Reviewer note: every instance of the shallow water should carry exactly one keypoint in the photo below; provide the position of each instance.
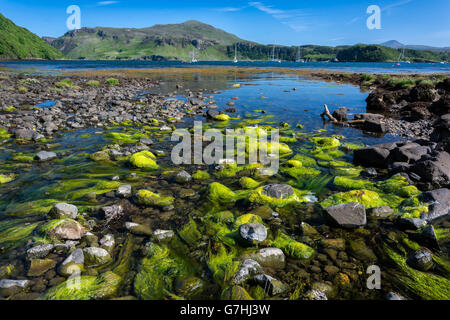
(272, 93)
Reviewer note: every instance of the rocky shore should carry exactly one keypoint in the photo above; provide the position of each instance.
(116, 212)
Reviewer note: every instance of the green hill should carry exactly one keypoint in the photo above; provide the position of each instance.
(19, 43)
(173, 41)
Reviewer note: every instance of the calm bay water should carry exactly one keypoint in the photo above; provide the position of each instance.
(366, 67)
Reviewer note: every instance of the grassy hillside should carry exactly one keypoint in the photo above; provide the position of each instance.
(171, 41)
(19, 43)
(177, 41)
(378, 53)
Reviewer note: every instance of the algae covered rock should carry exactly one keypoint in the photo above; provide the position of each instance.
(236, 293)
(272, 285)
(5, 178)
(104, 286)
(189, 233)
(96, 256)
(201, 175)
(144, 160)
(369, 199)
(278, 195)
(273, 258)
(421, 259)
(221, 194)
(63, 229)
(292, 248)
(40, 266)
(138, 229)
(149, 198)
(158, 272)
(248, 183)
(10, 287)
(73, 264)
(248, 269)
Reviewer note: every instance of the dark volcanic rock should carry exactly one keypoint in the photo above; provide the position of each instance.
(435, 170)
(421, 260)
(371, 157)
(341, 114)
(348, 215)
(439, 203)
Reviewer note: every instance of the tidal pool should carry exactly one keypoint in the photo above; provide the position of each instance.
(201, 253)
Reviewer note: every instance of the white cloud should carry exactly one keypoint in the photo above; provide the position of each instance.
(396, 4)
(291, 18)
(267, 9)
(106, 3)
(229, 9)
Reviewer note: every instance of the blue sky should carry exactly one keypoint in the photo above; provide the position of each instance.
(323, 22)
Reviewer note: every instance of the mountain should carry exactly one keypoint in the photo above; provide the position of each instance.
(398, 45)
(178, 41)
(19, 43)
(173, 41)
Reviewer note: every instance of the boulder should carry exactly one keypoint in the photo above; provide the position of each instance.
(371, 157)
(381, 212)
(73, 264)
(138, 229)
(271, 285)
(45, 156)
(253, 233)
(63, 210)
(273, 258)
(39, 252)
(124, 191)
(341, 114)
(439, 203)
(108, 242)
(38, 267)
(409, 153)
(374, 126)
(24, 134)
(279, 191)
(96, 256)
(10, 287)
(183, 177)
(348, 215)
(421, 260)
(161, 235)
(412, 223)
(435, 170)
(247, 270)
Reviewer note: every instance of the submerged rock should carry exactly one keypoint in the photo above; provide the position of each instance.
(421, 260)
(112, 212)
(247, 270)
(40, 266)
(73, 264)
(348, 215)
(10, 287)
(39, 252)
(124, 191)
(45, 156)
(269, 257)
(271, 285)
(253, 233)
(64, 229)
(96, 256)
(279, 191)
(183, 177)
(138, 229)
(315, 294)
(64, 210)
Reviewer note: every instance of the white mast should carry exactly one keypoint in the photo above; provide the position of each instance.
(235, 53)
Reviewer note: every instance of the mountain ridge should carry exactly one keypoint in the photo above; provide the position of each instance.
(398, 45)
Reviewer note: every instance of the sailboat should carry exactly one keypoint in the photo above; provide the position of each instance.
(401, 59)
(299, 55)
(235, 54)
(194, 60)
(273, 56)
